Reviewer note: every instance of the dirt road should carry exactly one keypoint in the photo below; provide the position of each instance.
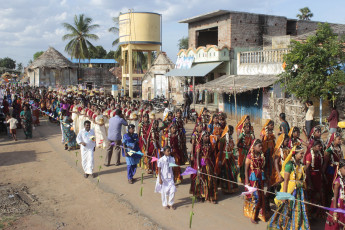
(65, 200)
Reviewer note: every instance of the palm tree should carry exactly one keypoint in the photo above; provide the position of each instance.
(80, 34)
(115, 29)
(306, 14)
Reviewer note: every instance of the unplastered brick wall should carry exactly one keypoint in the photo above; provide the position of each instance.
(249, 29)
(101, 77)
(223, 24)
(294, 111)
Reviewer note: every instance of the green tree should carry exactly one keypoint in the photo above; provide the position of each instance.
(7, 63)
(79, 37)
(182, 43)
(99, 52)
(110, 55)
(20, 67)
(305, 14)
(38, 54)
(313, 68)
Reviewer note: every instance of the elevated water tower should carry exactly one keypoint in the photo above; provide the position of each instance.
(138, 32)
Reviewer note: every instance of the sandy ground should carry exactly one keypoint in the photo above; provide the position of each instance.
(68, 201)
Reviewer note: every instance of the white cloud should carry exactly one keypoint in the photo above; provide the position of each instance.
(27, 28)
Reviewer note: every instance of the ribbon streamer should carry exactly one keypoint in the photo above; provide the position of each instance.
(250, 190)
(189, 171)
(284, 196)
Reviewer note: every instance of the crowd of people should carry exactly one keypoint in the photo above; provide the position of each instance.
(310, 170)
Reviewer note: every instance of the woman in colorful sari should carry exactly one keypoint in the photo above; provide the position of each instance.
(166, 125)
(74, 112)
(26, 117)
(254, 204)
(290, 214)
(268, 144)
(281, 151)
(100, 132)
(239, 127)
(173, 140)
(213, 124)
(226, 167)
(205, 160)
(153, 146)
(143, 136)
(195, 141)
(315, 178)
(243, 144)
(295, 139)
(332, 156)
(182, 132)
(35, 113)
(335, 219)
(68, 132)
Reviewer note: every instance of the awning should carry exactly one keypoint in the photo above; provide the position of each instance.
(238, 83)
(198, 70)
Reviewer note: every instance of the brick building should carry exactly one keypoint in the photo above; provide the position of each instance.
(259, 40)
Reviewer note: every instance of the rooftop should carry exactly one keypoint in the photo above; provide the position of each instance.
(218, 13)
(93, 61)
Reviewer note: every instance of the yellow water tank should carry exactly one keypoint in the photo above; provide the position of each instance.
(140, 28)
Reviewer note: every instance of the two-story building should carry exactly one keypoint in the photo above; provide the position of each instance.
(237, 57)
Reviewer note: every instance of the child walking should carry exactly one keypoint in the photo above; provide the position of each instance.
(86, 140)
(165, 180)
(13, 126)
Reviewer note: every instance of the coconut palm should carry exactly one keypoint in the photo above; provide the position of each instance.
(79, 36)
(115, 30)
(305, 14)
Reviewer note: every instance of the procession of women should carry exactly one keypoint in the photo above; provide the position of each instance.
(288, 177)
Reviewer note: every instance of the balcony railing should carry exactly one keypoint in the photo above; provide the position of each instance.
(264, 56)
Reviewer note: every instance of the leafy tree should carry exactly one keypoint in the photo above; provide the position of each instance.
(183, 43)
(7, 63)
(20, 67)
(315, 67)
(99, 52)
(79, 37)
(305, 14)
(38, 54)
(110, 55)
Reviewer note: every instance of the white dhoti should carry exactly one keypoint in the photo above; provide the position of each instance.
(87, 150)
(87, 159)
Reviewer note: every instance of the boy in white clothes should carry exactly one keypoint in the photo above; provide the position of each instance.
(86, 140)
(165, 180)
(13, 126)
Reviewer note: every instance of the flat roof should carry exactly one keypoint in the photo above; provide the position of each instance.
(218, 13)
(93, 61)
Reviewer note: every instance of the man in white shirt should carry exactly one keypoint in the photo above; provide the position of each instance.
(309, 117)
(86, 140)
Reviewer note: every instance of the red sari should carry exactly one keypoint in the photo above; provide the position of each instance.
(207, 187)
(196, 137)
(143, 136)
(173, 140)
(268, 144)
(153, 148)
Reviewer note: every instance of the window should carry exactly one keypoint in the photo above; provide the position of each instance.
(207, 37)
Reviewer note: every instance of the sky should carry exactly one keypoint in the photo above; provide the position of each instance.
(30, 26)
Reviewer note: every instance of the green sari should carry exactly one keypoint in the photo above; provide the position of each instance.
(27, 123)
